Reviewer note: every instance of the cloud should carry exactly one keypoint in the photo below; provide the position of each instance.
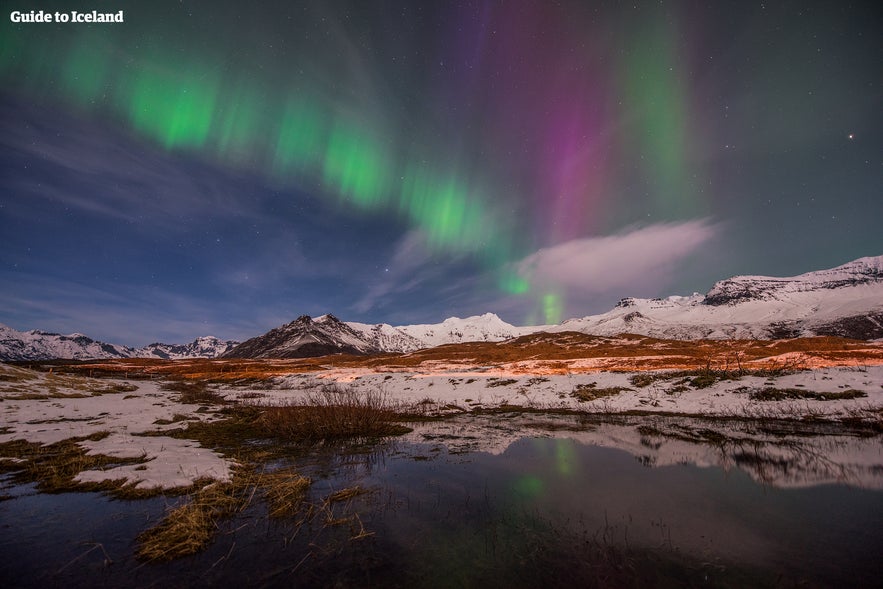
(402, 273)
(103, 171)
(636, 259)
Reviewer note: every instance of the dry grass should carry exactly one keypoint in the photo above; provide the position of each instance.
(185, 530)
(495, 382)
(541, 353)
(194, 392)
(346, 494)
(776, 394)
(864, 417)
(189, 528)
(590, 392)
(334, 412)
(53, 467)
(706, 376)
(22, 384)
(285, 491)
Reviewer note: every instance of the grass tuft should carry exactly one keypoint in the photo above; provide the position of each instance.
(285, 491)
(774, 394)
(589, 392)
(189, 528)
(333, 413)
(346, 494)
(185, 530)
(492, 382)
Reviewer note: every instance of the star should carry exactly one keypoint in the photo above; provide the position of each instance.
(851, 136)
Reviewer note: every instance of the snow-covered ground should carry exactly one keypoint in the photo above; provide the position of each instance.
(77, 407)
(46, 408)
(455, 389)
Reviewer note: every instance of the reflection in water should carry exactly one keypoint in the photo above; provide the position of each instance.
(473, 502)
(774, 453)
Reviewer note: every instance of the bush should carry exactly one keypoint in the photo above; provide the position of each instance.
(334, 412)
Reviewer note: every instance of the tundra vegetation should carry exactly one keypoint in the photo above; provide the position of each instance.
(265, 438)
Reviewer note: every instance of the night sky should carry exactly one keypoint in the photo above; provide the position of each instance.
(223, 167)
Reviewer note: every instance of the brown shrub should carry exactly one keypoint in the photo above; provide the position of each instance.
(334, 412)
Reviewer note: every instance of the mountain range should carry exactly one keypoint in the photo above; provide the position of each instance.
(845, 301)
(42, 345)
(306, 337)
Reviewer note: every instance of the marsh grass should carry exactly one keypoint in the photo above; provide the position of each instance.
(285, 491)
(54, 467)
(185, 530)
(346, 494)
(188, 528)
(334, 412)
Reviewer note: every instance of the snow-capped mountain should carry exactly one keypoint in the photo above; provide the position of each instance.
(386, 338)
(305, 337)
(201, 347)
(42, 345)
(846, 301)
(478, 328)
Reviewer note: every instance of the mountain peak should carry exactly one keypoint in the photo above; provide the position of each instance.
(327, 318)
(740, 289)
(305, 337)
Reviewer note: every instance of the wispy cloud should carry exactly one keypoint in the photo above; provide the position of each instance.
(635, 259)
(404, 272)
(102, 171)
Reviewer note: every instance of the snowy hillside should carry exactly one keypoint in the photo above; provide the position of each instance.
(845, 301)
(478, 328)
(386, 338)
(201, 347)
(42, 345)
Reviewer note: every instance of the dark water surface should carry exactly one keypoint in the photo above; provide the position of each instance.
(544, 512)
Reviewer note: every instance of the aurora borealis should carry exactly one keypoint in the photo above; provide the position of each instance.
(216, 167)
